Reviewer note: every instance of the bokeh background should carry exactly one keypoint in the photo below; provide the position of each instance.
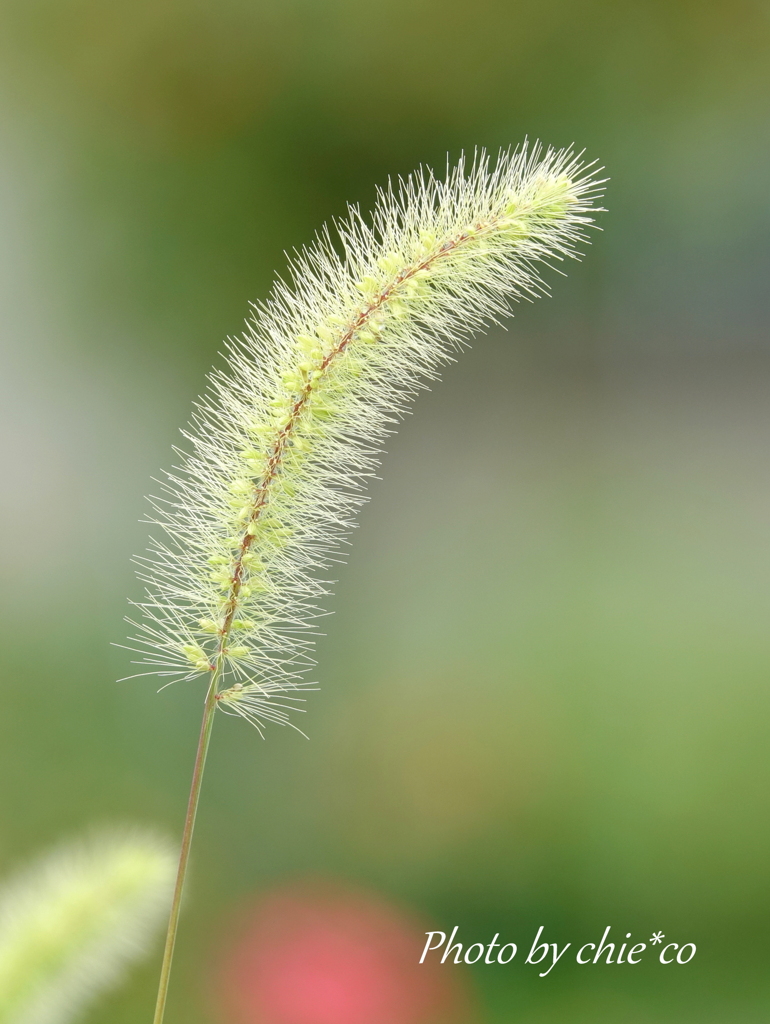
(545, 685)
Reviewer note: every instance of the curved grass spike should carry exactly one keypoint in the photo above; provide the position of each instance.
(283, 442)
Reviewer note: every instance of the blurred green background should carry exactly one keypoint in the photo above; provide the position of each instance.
(545, 685)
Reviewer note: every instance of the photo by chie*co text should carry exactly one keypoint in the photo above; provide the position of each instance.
(548, 954)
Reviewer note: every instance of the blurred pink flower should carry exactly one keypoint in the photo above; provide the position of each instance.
(323, 953)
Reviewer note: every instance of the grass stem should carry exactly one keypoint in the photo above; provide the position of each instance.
(184, 854)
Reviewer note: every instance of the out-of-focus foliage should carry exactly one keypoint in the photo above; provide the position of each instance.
(544, 691)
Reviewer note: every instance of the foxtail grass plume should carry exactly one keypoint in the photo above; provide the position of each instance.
(283, 442)
(71, 923)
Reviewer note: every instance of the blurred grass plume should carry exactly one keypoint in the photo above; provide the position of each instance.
(72, 922)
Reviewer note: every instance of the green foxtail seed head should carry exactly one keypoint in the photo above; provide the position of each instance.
(287, 435)
(72, 922)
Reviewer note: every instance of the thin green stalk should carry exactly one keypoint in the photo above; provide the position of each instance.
(184, 854)
(209, 709)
